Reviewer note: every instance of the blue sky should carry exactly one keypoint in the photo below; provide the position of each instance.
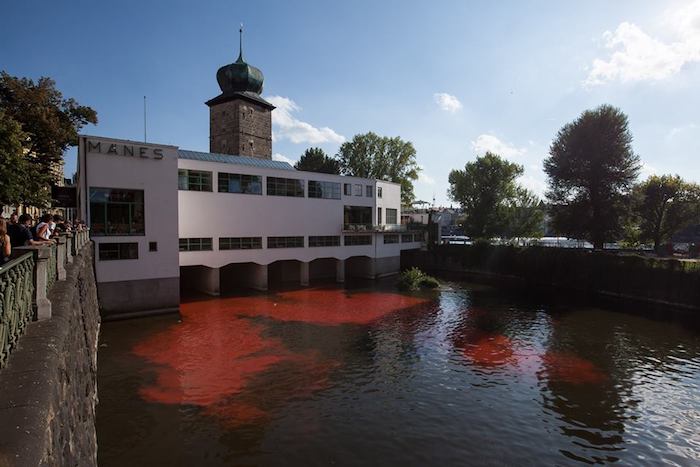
(455, 78)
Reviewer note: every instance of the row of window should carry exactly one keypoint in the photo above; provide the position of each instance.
(255, 243)
(199, 180)
(125, 250)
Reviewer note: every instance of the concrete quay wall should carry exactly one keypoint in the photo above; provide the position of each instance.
(48, 390)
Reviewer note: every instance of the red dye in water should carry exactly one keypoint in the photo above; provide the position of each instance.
(568, 368)
(216, 353)
(489, 350)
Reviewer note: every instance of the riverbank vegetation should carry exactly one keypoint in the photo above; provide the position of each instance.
(414, 279)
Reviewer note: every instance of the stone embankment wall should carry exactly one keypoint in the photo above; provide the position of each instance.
(48, 390)
(627, 278)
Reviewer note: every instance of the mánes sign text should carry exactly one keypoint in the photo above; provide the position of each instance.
(124, 150)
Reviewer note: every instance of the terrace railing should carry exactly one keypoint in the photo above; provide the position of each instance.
(16, 293)
(25, 282)
(374, 228)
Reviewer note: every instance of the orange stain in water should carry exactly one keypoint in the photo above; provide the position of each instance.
(489, 350)
(568, 368)
(214, 356)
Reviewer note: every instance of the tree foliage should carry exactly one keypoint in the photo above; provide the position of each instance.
(494, 203)
(316, 160)
(383, 158)
(49, 125)
(12, 162)
(591, 169)
(662, 205)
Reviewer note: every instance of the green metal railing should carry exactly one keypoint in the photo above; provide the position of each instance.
(16, 294)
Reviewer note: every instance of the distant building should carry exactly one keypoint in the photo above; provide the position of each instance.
(163, 218)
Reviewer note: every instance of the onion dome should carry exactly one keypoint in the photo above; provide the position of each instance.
(239, 76)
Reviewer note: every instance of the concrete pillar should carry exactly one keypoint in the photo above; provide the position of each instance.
(340, 270)
(259, 277)
(371, 270)
(69, 247)
(304, 274)
(41, 279)
(61, 258)
(211, 281)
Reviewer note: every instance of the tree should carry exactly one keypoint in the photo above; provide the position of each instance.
(316, 160)
(487, 191)
(524, 215)
(12, 162)
(591, 168)
(663, 205)
(382, 158)
(51, 125)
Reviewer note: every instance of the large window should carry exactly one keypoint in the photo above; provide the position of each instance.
(285, 242)
(391, 238)
(391, 216)
(195, 244)
(193, 180)
(406, 238)
(347, 189)
(358, 240)
(285, 187)
(359, 215)
(240, 183)
(117, 251)
(326, 190)
(326, 240)
(114, 211)
(369, 190)
(240, 243)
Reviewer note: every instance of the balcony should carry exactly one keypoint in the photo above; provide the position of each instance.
(351, 228)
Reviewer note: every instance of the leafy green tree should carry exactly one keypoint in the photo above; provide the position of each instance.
(316, 160)
(663, 205)
(51, 125)
(13, 165)
(372, 156)
(591, 169)
(489, 195)
(524, 215)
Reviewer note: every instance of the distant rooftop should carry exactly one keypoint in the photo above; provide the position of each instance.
(238, 160)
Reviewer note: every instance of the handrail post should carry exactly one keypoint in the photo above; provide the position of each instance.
(41, 279)
(61, 258)
(70, 252)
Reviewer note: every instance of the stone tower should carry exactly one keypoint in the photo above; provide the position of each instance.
(240, 120)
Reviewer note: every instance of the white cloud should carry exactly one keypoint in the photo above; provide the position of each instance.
(637, 56)
(484, 143)
(647, 171)
(286, 126)
(424, 178)
(447, 102)
(536, 184)
(282, 158)
(681, 130)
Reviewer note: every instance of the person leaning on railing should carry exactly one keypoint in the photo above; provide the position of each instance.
(20, 235)
(5, 243)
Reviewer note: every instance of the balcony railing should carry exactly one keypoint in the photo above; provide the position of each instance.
(25, 282)
(374, 228)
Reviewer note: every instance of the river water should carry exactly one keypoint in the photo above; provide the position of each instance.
(466, 375)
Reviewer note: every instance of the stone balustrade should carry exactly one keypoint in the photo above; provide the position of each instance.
(25, 282)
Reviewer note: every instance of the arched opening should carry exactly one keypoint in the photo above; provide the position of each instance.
(284, 273)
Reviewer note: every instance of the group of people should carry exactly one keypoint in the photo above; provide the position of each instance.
(21, 230)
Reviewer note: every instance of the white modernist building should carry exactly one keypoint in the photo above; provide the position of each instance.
(164, 219)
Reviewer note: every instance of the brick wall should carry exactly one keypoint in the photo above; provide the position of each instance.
(242, 128)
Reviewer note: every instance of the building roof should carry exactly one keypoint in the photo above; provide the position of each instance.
(229, 159)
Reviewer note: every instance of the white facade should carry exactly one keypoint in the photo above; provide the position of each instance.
(172, 215)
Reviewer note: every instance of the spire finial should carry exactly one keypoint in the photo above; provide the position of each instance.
(240, 44)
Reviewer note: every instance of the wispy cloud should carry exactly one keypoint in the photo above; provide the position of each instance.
(287, 126)
(637, 56)
(490, 143)
(447, 102)
(280, 157)
(424, 178)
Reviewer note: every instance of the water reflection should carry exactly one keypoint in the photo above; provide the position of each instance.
(371, 376)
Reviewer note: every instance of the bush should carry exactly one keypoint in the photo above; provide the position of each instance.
(415, 279)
